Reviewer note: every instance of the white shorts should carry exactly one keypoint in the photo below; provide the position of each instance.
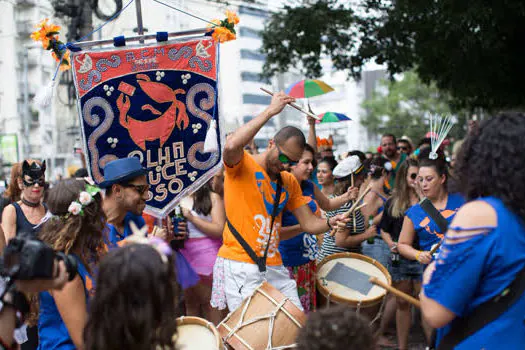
(234, 281)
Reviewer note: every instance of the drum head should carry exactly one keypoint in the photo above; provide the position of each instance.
(196, 333)
(343, 278)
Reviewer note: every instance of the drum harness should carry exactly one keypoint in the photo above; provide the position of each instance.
(260, 261)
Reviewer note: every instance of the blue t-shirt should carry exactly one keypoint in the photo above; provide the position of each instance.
(426, 229)
(472, 272)
(52, 331)
(302, 248)
(115, 237)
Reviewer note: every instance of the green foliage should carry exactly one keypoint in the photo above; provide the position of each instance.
(400, 107)
(474, 50)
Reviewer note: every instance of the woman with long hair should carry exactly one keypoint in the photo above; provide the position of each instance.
(23, 217)
(135, 306)
(13, 191)
(300, 252)
(204, 225)
(482, 261)
(325, 176)
(76, 227)
(406, 274)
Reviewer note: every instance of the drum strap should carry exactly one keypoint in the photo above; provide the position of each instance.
(260, 261)
(481, 316)
(434, 214)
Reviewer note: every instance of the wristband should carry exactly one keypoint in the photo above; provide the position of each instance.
(417, 255)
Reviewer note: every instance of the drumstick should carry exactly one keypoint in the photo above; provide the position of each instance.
(154, 231)
(395, 291)
(352, 184)
(354, 206)
(356, 209)
(295, 106)
(436, 247)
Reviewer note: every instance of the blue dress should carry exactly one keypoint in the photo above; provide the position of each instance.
(471, 272)
(426, 229)
(52, 331)
(302, 248)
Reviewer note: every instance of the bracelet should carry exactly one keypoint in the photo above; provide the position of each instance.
(328, 223)
(418, 254)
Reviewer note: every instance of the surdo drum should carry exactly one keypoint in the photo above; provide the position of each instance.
(195, 333)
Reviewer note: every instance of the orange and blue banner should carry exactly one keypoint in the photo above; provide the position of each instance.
(155, 102)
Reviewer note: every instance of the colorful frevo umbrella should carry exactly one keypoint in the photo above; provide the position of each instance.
(332, 117)
(308, 88)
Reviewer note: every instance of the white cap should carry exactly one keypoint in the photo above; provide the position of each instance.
(349, 165)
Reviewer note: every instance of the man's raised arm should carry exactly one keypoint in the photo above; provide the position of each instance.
(234, 147)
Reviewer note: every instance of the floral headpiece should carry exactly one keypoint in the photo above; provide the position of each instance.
(225, 30)
(85, 198)
(47, 34)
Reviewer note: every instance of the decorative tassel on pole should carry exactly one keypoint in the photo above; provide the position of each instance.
(210, 142)
(44, 96)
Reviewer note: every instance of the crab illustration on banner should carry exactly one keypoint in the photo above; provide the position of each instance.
(156, 102)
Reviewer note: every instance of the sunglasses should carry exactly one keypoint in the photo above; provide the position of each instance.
(283, 158)
(402, 148)
(141, 189)
(413, 176)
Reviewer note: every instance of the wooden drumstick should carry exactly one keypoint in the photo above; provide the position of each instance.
(354, 206)
(295, 106)
(395, 291)
(436, 247)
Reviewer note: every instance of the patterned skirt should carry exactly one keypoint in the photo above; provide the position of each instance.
(304, 276)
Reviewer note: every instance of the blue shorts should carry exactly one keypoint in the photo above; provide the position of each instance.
(378, 251)
(406, 270)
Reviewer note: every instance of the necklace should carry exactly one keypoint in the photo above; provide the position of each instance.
(30, 204)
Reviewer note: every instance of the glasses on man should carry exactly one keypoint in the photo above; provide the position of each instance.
(141, 189)
(402, 148)
(283, 158)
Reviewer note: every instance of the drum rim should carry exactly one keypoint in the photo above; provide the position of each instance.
(193, 320)
(365, 303)
(269, 292)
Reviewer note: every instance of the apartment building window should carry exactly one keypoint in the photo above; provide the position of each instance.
(252, 55)
(249, 33)
(256, 99)
(254, 77)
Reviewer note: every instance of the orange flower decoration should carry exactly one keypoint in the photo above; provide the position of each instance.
(47, 34)
(225, 30)
(232, 17)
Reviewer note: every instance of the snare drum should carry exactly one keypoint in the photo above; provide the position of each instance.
(342, 278)
(197, 333)
(266, 314)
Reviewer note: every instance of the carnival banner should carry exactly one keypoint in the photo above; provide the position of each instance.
(158, 103)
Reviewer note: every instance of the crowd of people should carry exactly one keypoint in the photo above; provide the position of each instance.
(273, 215)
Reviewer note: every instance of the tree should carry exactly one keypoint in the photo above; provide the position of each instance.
(473, 50)
(401, 107)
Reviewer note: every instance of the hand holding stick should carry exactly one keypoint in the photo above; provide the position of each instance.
(354, 206)
(295, 106)
(436, 247)
(395, 291)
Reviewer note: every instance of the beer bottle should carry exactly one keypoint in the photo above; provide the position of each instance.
(370, 240)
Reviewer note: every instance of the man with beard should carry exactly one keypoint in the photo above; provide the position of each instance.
(257, 189)
(390, 152)
(125, 199)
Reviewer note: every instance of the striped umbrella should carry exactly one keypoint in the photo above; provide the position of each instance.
(308, 88)
(332, 117)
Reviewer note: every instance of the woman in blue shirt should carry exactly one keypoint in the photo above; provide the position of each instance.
(432, 180)
(76, 228)
(300, 252)
(484, 249)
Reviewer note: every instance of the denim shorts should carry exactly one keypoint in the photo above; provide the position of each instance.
(377, 250)
(406, 270)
